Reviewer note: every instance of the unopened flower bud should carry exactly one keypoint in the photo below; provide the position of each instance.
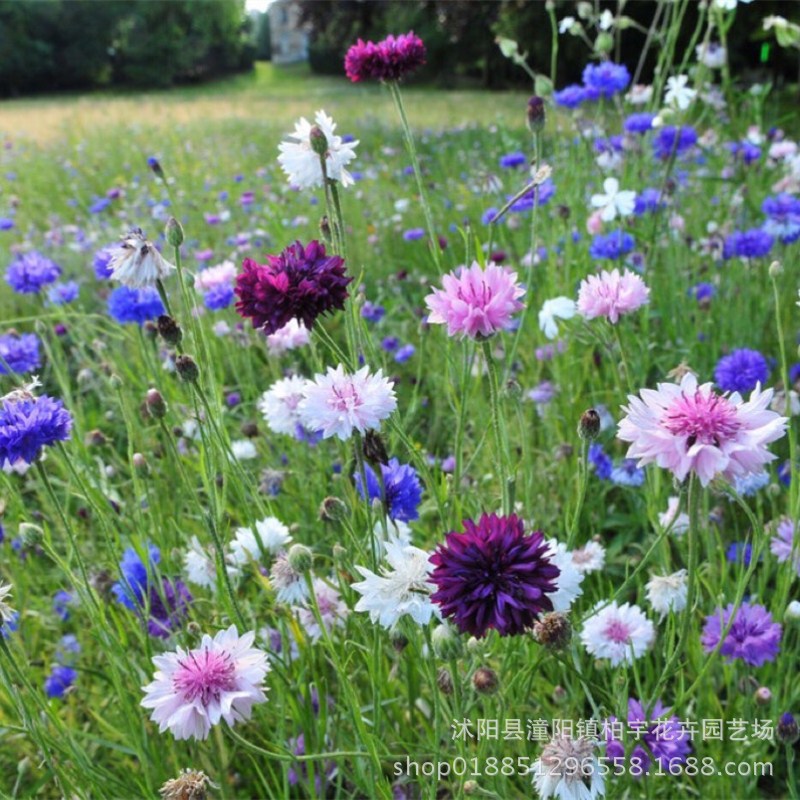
(150, 330)
(169, 330)
(589, 425)
(447, 643)
(485, 680)
(553, 631)
(775, 269)
(249, 429)
(139, 461)
(474, 645)
(95, 438)
(604, 43)
(471, 787)
(332, 509)
(187, 369)
(173, 232)
(444, 680)
(30, 534)
(115, 382)
(787, 731)
(155, 165)
(792, 613)
(536, 114)
(762, 696)
(374, 450)
(319, 142)
(193, 628)
(155, 404)
(325, 230)
(300, 558)
(559, 695)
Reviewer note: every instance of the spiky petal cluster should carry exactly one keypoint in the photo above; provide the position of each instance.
(302, 282)
(28, 423)
(475, 302)
(136, 262)
(388, 60)
(611, 294)
(193, 690)
(493, 575)
(689, 428)
(754, 636)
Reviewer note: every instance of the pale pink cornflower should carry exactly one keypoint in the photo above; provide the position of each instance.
(280, 402)
(784, 545)
(618, 633)
(215, 276)
(689, 428)
(333, 610)
(611, 295)
(337, 403)
(292, 335)
(193, 690)
(476, 302)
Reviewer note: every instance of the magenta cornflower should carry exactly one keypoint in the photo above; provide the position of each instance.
(192, 691)
(689, 428)
(301, 283)
(475, 302)
(611, 295)
(493, 576)
(753, 637)
(388, 60)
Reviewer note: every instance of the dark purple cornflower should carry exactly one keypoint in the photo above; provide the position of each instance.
(515, 159)
(571, 96)
(673, 141)
(403, 489)
(627, 473)
(389, 60)
(794, 372)
(493, 576)
(753, 243)
(28, 424)
(657, 736)
(613, 245)
(59, 681)
(301, 283)
(101, 204)
(29, 272)
(390, 343)
(753, 637)
(741, 370)
(489, 216)
(638, 123)
(606, 78)
(19, 354)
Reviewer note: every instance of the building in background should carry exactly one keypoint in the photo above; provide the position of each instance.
(289, 37)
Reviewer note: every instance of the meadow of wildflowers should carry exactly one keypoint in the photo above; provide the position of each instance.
(345, 456)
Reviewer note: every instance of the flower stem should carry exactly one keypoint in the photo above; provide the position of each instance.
(501, 449)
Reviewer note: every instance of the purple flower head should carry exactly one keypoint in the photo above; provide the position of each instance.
(372, 312)
(19, 354)
(673, 141)
(68, 648)
(6, 223)
(62, 600)
(626, 473)
(27, 424)
(602, 463)
(301, 283)
(745, 151)
(515, 159)
(739, 553)
(59, 681)
(388, 60)
(703, 291)
(753, 243)
(404, 353)
(783, 217)
(126, 305)
(753, 637)
(538, 196)
(218, 297)
(571, 96)
(648, 199)
(606, 78)
(613, 245)
(741, 370)
(403, 489)
(101, 260)
(29, 272)
(60, 294)
(101, 204)
(414, 234)
(639, 123)
(493, 576)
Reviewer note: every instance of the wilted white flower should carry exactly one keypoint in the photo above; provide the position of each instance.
(568, 769)
(6, 612)
(136, 262)
(667, 593)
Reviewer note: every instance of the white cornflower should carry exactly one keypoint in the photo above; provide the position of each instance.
(135, 262)
(405, 588)
(6, 612)
(551, 310)
(243, 450)
(272, 536)
(667, 593)
(332, 610)
(589, 558)
(302, 164)
(606, 21)
(568, 582)
(568, 769)
(614, 201)
(678, 523)
(280, 402)
(289, 584)
(711, 55)
(292, 335)
(639, 95)
(396, 531)
(678, 93)
(618, 633)
(199, 565)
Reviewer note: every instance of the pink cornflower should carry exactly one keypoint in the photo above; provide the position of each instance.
(784, 545)
(618, 633)
(388, 60)
(337, 403)
(689, 428)
(474, 302)
(610, 295)
(193, 690)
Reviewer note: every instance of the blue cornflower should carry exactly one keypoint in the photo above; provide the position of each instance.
(748, 485)
(29, 272)
(741, 370)
(608, 144)
(611, 245)
(68, 648)
(753, 243)
(101, 204)
(166, 603)
(390, 343)
(126, 305)
(639, 123)
(372, 312)
(404, 353)
(10, 626)
(61, 602)
(59, 681)
(739, 553)
(27, 424)
(785, 473)
(648, 199)
(489, 216)
(794, 372)
(746, 151)
(783, 217)
(516, 159)
(101, 260)
(60, 294)
(403, 489)
(606, 78)
(570, 96)
(218, 297)
(670, 139)
(602, 463)
(626, 473)
(414, 234)
(6, 223)
(19, 353)
(703, 291)
(539, 195)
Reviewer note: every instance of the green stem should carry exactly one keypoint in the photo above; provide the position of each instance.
(501, 450)
(583, 466)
